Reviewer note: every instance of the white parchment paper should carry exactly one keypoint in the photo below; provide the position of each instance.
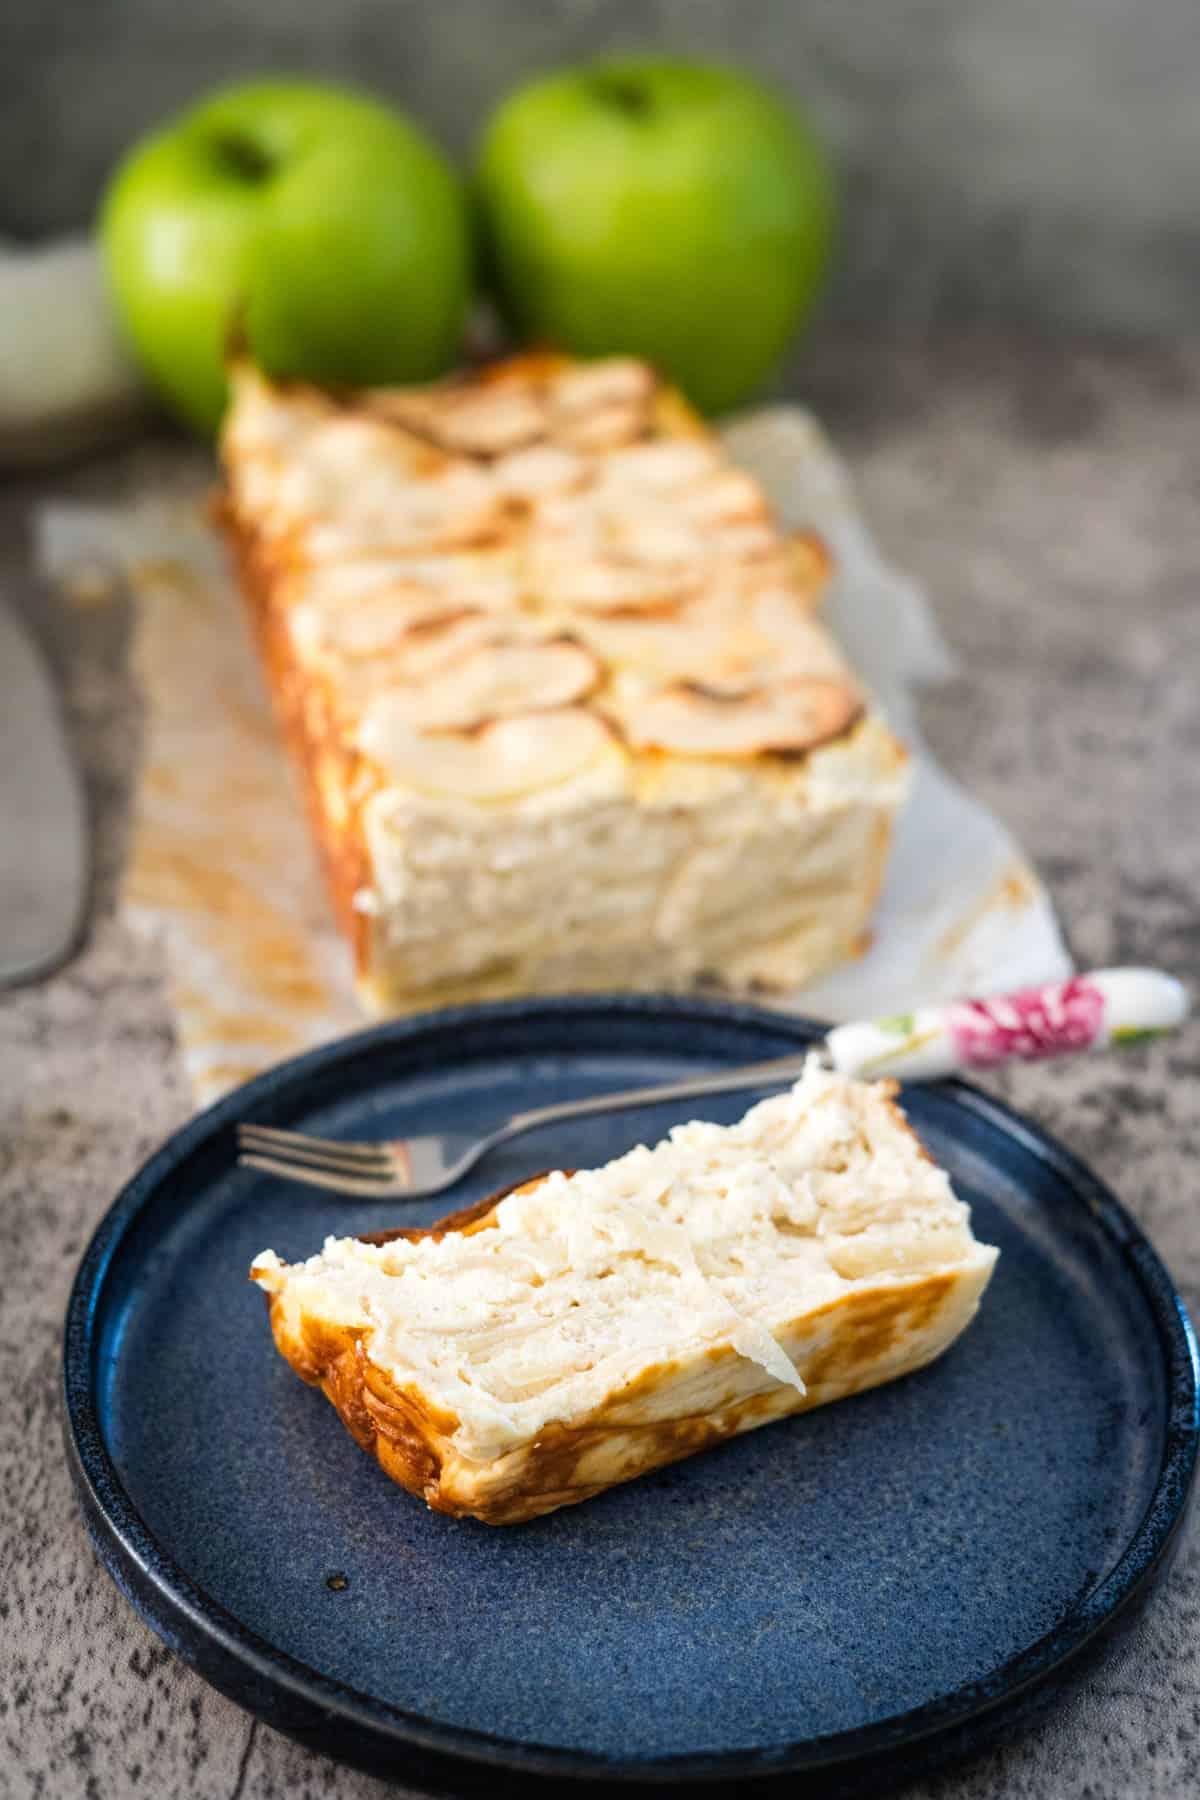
(223, 869)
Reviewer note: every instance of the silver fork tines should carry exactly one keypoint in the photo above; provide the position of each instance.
(365, 1187)
(298, 1146)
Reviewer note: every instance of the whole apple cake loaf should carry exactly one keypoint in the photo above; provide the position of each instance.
(589, 1326)
(553, 674)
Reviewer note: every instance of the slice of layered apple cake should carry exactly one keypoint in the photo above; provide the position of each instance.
(588, 1327)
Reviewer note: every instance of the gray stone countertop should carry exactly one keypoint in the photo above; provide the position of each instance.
(1047, 496)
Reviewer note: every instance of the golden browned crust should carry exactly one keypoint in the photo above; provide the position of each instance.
(857, 1341)
(321, 753)
(854, 1343)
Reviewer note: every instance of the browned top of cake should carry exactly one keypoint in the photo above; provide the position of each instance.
(532, 564)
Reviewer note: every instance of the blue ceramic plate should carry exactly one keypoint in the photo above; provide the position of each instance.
(844, 1593)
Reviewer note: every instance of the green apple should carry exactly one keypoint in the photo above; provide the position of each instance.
(677, 211)
(320, 225)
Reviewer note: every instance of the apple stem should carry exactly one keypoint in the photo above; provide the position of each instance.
(243, 158)
(623, 93)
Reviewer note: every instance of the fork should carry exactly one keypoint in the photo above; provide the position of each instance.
(1086, 1012)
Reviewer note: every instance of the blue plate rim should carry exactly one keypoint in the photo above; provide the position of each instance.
(128, 1548)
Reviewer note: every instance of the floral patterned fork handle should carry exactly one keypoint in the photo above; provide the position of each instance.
(1060, 1018)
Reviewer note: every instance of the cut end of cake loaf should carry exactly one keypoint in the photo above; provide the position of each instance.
(555, 677)
(588, 1327)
